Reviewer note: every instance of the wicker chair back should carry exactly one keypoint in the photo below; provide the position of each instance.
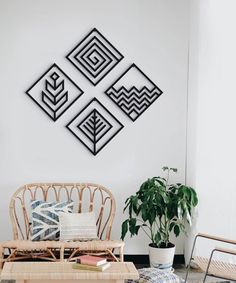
(86, 197)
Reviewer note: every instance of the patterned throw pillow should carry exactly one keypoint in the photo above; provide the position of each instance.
(45, 219)
(78, 226)
(155, 275)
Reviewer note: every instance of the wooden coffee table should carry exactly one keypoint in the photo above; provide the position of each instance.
(52, 272)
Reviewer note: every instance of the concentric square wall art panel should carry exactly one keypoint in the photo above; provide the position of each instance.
(94, 56)
(94, 126)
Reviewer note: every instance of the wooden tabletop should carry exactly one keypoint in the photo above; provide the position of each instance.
(63, 270)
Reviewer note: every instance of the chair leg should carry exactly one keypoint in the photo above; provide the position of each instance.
(62, 252)
(205, 276)
(122, 254)
(208, 266)
(1, 257)
(191, 257)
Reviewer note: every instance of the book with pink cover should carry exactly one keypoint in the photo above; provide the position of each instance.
(91, 260)
(91, 267)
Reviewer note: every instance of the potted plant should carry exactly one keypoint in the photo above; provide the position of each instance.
(158, 208)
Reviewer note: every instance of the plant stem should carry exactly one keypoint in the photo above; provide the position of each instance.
(144, 223)
(165, 214)
(150, 237)
(167, 178)
(152, 234)
(146, 233)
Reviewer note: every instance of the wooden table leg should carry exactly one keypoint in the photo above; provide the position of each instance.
(121, 253)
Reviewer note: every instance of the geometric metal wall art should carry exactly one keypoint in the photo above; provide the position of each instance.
(54, 92)
(133, 92)
(94, 126)
(94, 56)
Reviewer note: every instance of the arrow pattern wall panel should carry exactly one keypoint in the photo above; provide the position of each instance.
(54, 92)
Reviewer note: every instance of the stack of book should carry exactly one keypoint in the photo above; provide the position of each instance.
(93, 263)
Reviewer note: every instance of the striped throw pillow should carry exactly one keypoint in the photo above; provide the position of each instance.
(45, 219)
(77, 226)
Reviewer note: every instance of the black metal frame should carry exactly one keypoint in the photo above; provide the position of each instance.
(139, 97)
(93, 68)
(93, 124)
(59, 98)
(211, 256)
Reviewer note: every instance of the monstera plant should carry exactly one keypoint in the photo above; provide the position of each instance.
(158, 208)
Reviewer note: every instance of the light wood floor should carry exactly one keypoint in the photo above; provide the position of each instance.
(195, 275)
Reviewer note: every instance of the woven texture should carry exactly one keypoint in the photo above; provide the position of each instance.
(77, 226)
(217, 268)
(45, 219)
(87, 197)
(45, 271)
(154, 275)
(27, 245)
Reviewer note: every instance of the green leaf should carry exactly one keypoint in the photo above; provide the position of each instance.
(131, 206)
(137, 229)
(172, 224)
(132, 226)
(182, 227)
(135, 205)
(124, 229)
(144, 214)
(194, 198)
(160, 181)
(127, 202)
(152, 216)
(176, 230)
(164, 196)
(158, 238)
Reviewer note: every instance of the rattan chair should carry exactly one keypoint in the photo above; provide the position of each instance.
(86, 197)
(210, 266)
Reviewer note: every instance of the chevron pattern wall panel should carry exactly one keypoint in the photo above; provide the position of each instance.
(133, 92)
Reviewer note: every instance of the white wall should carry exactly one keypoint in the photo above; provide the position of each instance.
(34, 34)
(212, 116)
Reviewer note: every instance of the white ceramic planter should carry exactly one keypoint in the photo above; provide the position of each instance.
(161, 258)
